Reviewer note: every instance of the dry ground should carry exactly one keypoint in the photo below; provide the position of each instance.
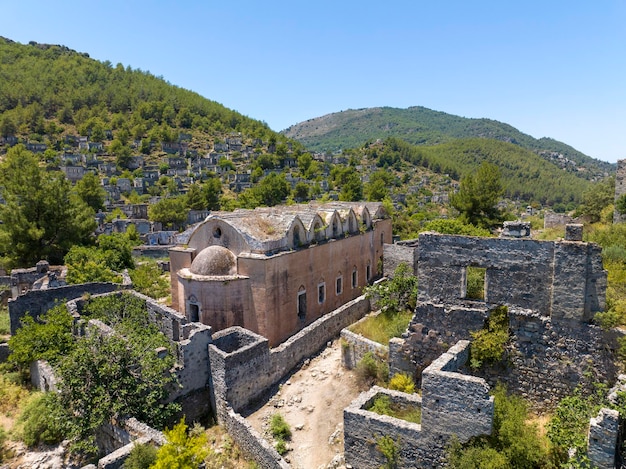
(312, 402)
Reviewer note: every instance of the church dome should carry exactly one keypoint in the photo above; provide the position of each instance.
(214, 260)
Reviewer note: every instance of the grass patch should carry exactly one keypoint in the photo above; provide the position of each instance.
(383, 327)
(383, 405)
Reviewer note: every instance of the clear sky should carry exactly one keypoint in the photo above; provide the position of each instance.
(550, 68)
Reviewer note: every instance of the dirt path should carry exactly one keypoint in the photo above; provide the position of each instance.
(312, 402)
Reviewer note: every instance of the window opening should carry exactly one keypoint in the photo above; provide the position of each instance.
(194, 312)
(339, 285)
(475, 283)
(355, 278)
(301, 303)
(368, 272)
(321, 293)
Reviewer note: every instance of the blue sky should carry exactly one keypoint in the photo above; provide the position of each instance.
(550, 68)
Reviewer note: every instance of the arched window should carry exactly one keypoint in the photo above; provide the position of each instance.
(301, 303)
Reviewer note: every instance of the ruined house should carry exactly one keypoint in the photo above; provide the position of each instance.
(276, 270)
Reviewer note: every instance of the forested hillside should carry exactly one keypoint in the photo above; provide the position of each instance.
(421, 126)
(525, 175)
(50, 89)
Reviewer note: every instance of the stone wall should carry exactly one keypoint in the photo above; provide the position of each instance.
(603, 439)
(397, 253)
(451, 403)
(243, 367)
(37, 302)
(42, 376)
(454, 403)
(544, 359)
(354, 347)
(559, 279)
(250, 442)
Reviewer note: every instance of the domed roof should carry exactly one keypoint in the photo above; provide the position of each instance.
(214, 260)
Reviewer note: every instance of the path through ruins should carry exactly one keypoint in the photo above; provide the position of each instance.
(312, 402)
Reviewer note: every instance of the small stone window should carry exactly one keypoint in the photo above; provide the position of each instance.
(217, 232)
(475, 283)
(321, 293)
(368, 271)
(355, 277)
(339, 285)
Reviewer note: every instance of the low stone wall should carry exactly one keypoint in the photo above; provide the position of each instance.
(250, 442)
(363, 430)
(37, 302)
(354, 347)
(451, 404)
(117, 441)
(243, 367)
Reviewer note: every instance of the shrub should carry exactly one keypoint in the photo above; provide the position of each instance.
(43, 420)
(3, 437)
(513, 444)
(488, 344)
(397, 294)
(5, 321)
(390, 450)
(279, 427)
(141, 457)
(182, 450)
(371, 370)
(148, 279)
(402, 382)
(383, 405)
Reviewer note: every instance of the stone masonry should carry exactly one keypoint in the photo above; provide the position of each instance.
(451, 403)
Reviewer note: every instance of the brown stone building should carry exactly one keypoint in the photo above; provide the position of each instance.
(276, 270)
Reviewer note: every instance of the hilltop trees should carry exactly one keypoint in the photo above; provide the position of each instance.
(42, 218)
(478, 196)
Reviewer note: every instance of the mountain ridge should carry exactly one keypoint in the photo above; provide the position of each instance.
(419, 125)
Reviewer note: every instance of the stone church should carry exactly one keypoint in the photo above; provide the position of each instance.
(275, 270)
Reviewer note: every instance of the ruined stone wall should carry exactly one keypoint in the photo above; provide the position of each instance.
(451, 404)
(454, 403)
(395, 254)
(243, 367)
(603, 439)
(250, 442)
(37, 302)
(559, 279)
(354, 347)
(620, 189)
(42, 376)
(544, 359)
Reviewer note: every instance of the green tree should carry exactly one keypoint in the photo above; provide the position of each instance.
(478, 196)
(42, 218)
(596, 198)
(195, 199)
(170, 211)
(212, 190)
(91, 191)
(272, 190)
